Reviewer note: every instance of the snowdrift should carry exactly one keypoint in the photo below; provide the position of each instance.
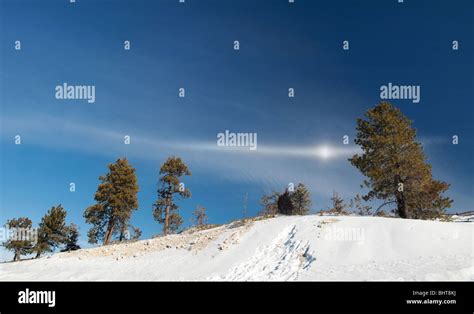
(307, 248)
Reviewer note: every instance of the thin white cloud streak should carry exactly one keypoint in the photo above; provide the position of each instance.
(322, 167)
(321, 151)
(50, 131)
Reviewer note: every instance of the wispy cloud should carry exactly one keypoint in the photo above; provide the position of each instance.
(322, 165)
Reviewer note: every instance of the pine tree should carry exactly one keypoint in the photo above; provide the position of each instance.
(72, 236)
(200, 216)
(395, 164)
(301, 199)
(116, 199)
(51, 231)
(297, 202)
(165, 209)
(285, 204)
(338, 205)
(21, 240)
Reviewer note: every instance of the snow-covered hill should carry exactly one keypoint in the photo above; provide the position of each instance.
(282, 248)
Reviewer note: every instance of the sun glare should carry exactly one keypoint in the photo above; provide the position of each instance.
(324, 152)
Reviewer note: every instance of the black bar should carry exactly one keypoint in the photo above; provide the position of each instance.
(240, 296)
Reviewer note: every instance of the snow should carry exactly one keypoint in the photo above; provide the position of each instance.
(284, 248)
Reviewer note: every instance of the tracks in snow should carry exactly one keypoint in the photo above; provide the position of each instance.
(283, 259)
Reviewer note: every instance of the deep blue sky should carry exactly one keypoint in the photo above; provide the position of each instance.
(190, 45)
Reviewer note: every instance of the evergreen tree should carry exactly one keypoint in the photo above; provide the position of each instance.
(21, 240)
(116, 199)
(72, 236)
(200, 216)
(338, 205)
(285, 204)
(51, 231)
(297, 202)
(301, 199)
(395, 164)
(165, 209)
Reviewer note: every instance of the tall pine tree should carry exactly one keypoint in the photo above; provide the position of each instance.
(116, 199)
(395, 164)
(165, 209)
(51, 231)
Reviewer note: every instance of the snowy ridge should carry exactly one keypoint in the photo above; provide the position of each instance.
(282, 248)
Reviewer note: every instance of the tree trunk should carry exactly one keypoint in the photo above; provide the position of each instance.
(122, 232)
(401, 206)
(38, 254)
(166, 224)
(109, 231)
(17, 255)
